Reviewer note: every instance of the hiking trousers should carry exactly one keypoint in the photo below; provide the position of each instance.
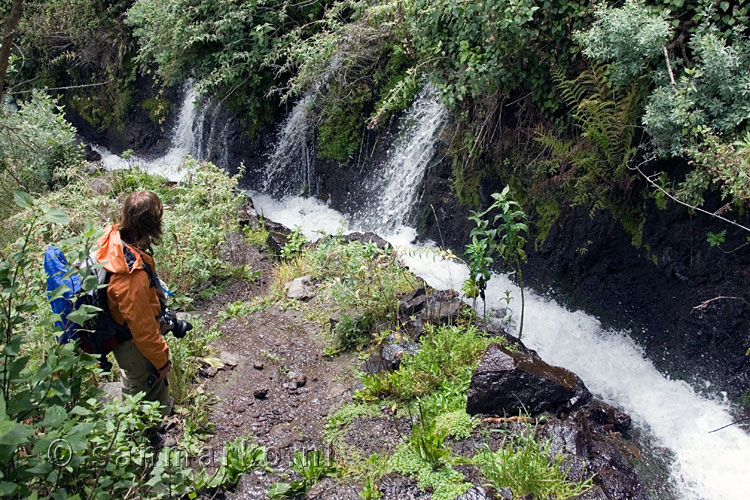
(134, 372)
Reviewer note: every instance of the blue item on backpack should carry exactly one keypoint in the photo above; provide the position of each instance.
(57, 266)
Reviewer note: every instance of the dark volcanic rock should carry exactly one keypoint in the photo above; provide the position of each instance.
(278, 234)
(476, 493)
(589, 446)
(397, 487)
(394, 349)
(368, 237)
(389, 356)
(508, 382)
(412, 303)
(442, 307)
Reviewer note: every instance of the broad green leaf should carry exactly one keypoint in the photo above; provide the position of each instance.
(22, 199)
(55, 216)
(13, 434)
(7, 488)
(54, 416)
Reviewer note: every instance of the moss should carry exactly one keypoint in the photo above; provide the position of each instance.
(105, 110)
(339, 136)
(158, 108)
(633, 222)
(547, 211)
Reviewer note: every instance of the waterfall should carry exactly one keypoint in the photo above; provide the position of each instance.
(394, 184)
(188, 137)
(291, 164)
(668, 412)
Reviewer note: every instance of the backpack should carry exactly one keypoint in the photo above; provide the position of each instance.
(99, 334)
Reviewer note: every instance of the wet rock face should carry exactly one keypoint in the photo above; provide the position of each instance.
(506, 383)
(589, 443)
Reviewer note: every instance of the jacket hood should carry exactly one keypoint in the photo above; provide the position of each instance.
(112, 253)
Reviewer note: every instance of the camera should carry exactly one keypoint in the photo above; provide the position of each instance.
(169, 321)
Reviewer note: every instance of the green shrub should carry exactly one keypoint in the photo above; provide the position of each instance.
(445, 482)
(56, 437)
(35, 142)
(445, 361)
(312, 467)
(523, 464)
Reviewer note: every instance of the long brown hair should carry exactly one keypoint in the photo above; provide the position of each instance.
(140, 219)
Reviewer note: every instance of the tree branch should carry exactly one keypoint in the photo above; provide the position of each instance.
(637, 168)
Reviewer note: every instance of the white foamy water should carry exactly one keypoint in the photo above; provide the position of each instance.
(186, 140)
(290, 166)
(393, 186)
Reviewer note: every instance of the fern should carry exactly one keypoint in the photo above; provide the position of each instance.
(594, 163)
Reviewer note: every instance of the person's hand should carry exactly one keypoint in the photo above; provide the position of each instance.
(164, 372)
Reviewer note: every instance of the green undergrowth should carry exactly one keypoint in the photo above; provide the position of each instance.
(51, 391)
(429, 390)
(361, 282)
(522, 463)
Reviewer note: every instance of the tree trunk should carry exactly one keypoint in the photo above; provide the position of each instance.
(14, 17)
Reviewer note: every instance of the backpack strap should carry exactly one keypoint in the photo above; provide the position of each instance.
(130, 259)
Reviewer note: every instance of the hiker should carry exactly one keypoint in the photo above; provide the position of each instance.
(133, 300)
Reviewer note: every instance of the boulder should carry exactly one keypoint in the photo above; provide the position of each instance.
(368, 237)
(412, 303)
(395, 348)
(476, 493)
(389, 356)
(278, 234)
(442, 307)
(590, 445)
(506, 383)
(300, 288)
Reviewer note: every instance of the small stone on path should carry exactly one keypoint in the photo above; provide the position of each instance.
(261, 393)
(228, 358)
(258, 365)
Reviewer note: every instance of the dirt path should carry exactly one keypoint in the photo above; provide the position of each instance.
(282, 388)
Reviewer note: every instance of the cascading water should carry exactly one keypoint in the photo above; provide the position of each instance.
(290, 166)
(188, 138)
(393, 186)
(703, 466)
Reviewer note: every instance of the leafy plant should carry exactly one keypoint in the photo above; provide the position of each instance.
(312, 466)
(428, 441)
(502, 236)
(239, 458)
(294, 243)
(35, 142)
(522, 464)
(716, 239)
(56, 437)
(350, 332)
(445, 483)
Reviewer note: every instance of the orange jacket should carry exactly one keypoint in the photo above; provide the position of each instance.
(130, 296)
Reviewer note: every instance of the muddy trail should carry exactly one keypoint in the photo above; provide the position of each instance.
(283, 387)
